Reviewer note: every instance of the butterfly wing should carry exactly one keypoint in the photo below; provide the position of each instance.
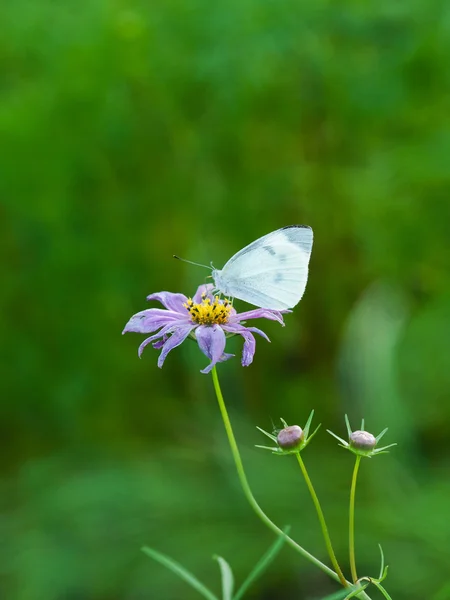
(272, 271)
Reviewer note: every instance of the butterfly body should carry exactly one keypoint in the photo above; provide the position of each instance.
(271, 272)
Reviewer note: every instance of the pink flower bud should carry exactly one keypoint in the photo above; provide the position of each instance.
(363, 440)
(290, 437)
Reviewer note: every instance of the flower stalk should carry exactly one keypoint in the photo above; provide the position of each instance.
(322, 521)
(351, 521)
(251, 499)
(246, 486)
(362, 444)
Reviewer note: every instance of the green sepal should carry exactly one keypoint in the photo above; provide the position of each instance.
(306, 438)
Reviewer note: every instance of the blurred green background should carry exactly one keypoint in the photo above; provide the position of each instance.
(131, 131)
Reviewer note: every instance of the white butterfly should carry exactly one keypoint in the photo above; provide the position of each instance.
(271, 272)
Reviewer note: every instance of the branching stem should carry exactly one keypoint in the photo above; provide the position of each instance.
(249, 494)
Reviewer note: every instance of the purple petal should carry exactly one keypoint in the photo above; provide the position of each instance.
(259, 332)
(211, 341)
(161, 334)
(249, 349)
(177, 338)
(206, 289)
(171, 301)
(259, 313)
(236, 328)
(148, 321)
(225, 356)
(160, 343)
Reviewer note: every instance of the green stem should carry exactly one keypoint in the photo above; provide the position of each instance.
(249, 495)
(382, 590)
(323, 524)
(351, 521)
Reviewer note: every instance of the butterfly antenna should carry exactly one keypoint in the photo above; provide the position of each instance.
(191, 262)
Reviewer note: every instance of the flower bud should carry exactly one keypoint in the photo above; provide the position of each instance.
(290, 437)
(363, 440)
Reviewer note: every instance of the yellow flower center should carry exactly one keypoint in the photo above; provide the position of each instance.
(209, 313)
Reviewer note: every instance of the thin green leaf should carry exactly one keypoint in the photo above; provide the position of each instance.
(227, 578)
(356, 590)
(362, 425)
(382, 590)
(383, 577)
(343, 594)
(262, 565)
(382, 562)
(180, 571)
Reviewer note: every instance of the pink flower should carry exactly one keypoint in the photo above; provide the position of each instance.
(205, 318)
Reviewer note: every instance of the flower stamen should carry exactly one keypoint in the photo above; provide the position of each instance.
(207, 312)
